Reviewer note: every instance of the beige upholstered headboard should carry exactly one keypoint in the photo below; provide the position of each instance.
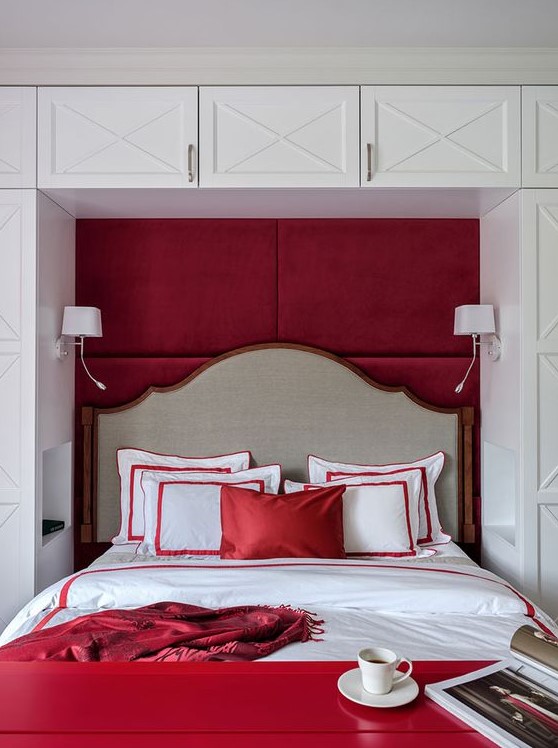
(282, 402)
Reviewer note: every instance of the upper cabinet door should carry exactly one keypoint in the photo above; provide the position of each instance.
(540, 136)
(118, 137)
(18, 148)
(440, 136)
(279, 136)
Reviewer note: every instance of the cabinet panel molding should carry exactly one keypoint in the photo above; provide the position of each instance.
(18, 147)
(548, 570)
(547, 273)
(11, 599)
(17, 397)
(283, 136)
(432, 136)
(118, 137)
(548, 420)
(540, 136)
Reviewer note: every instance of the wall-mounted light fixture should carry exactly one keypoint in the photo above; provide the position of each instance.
(80, 322)
(477, 320)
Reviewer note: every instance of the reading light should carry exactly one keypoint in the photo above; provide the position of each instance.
(80, 322)
(477, 320)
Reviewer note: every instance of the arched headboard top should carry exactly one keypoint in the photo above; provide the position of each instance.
(281, 402)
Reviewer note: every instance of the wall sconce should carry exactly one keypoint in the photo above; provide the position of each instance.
(80, 322)
(476, 320)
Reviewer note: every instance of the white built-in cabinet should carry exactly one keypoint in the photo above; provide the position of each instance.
(519, 394)
(280, 136)
(17, 399)
(283, 136)
(18, 143)
(540, 136)
(539, 293)
(37, 278)
(118, 137)
(440, 136)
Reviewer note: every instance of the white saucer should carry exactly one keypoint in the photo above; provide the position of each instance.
(350, 685)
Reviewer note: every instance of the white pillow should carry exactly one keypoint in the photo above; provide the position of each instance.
(183, 513)
(380, 515)
(430, 529)
(131, 462)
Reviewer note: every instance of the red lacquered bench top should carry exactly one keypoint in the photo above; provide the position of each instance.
(205, 705)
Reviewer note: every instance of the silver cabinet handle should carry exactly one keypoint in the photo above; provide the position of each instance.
(369, 162)
(190, 163)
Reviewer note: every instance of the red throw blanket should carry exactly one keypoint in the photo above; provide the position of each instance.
(167, 631)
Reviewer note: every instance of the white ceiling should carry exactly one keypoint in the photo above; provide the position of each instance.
(278, 23)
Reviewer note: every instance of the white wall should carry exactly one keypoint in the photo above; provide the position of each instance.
(55, 397)
(500, 263)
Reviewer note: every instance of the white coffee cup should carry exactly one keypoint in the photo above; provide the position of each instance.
(378, 669)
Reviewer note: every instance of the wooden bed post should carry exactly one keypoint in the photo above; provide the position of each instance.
(468, 518)
(87, 525)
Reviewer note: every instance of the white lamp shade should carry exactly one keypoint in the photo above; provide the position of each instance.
(82, 321)
(474, 319)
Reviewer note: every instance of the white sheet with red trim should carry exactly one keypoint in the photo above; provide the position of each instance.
(444, 609)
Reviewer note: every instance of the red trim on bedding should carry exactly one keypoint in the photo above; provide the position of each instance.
(63, 601)
(42, 623)
(163, 454)
(181, 552)
(544, 628)
(424, 481)
(412, 466)
(391, 554)
(159, 469)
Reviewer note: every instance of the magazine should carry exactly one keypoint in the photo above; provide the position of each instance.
(514, 702)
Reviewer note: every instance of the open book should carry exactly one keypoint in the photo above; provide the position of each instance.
(514, 702)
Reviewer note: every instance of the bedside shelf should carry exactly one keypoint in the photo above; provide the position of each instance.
(53, 536)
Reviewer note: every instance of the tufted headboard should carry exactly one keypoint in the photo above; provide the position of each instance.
(282, 402)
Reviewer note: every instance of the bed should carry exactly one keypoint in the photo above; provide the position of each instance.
(282, 403)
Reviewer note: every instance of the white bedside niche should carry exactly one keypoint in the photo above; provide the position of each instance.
(57, 487)
(499, 496)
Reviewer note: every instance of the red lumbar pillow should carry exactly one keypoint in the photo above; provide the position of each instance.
(304, 524)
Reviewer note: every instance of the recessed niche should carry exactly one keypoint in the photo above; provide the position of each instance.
(499, 496)
(57, 487)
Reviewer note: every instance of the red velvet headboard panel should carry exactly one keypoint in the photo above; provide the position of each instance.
(380, 292)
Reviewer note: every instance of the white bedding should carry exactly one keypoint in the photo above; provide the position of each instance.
(444, 607)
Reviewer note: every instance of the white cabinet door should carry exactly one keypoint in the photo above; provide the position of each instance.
(539, 296)
(279, 136)
(17, 399)
(18, 147)
(440, 136)
(118, 137)
(540, 136)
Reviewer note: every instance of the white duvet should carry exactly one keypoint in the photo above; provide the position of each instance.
(441, 608)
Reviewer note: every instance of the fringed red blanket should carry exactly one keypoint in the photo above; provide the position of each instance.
(167, 631)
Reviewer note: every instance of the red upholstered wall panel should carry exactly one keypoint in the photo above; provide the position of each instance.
(175, 292)
(387, 287)
(178, 287)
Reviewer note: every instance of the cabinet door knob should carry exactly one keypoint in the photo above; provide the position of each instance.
(369, 162)
(190, 163)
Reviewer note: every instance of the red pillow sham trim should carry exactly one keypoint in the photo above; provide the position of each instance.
(412, 550)
(391, 464)
(385, 464)
(424, 481)
(163, 454)
(196, 551)
(163, 469)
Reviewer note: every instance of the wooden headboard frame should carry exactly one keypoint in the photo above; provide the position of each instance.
(465, 420)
